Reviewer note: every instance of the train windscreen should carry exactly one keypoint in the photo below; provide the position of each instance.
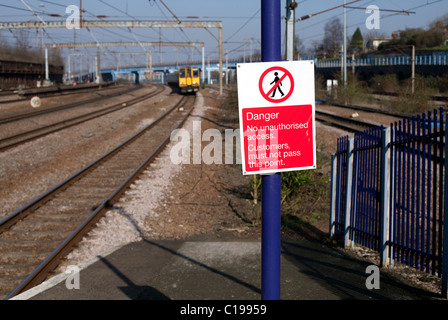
(182, 73)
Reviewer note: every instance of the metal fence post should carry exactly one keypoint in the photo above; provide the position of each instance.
(348, 193)
(385, 197)
(445, 221)
(333, 195)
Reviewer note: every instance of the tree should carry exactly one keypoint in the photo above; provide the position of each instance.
(333, 38)
(357, 41)
(431, 38)
(22, 50)
(317, 49)
(299, 48)
(435, 23)
(420, 38)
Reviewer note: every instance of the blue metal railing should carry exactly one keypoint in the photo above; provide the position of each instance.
(340, 185)
(388, 192)
(417, 213)
(437, 60)
(364, 216)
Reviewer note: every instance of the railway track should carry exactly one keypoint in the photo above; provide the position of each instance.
(20, 138)
(16, 116)
(435, 97)
(349, 124)
(24, 94)
(367, 109)
(34, 238)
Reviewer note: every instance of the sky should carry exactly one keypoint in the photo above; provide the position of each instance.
(241, 20)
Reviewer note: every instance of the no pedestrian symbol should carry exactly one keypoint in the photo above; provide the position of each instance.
(276, 84)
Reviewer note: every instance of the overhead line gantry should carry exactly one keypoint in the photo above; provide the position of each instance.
(125, 24)
(125, 44)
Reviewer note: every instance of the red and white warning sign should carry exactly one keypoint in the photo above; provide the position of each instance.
(276, 110)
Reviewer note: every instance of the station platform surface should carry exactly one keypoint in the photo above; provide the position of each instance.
(222, 270)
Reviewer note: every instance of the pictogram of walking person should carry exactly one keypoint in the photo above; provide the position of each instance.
(278, 87)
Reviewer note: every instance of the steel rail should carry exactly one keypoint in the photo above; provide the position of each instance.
(51, 262)
(38, 112)
(12, 100)
(385, 112)
(45, 94)
(64, 124)
(349, 124)
(368, 109)
(61, 89)
(51, 93)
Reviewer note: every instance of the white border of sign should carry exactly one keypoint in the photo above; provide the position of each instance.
(249, 96)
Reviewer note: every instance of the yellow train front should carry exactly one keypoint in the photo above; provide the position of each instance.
(187, 79)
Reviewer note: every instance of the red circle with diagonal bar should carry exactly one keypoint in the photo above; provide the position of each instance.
(286, 73)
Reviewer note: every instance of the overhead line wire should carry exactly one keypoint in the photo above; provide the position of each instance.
(181, 29)
(358, 24)
(243, 25)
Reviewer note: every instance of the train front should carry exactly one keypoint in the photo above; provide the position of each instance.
(189, 79)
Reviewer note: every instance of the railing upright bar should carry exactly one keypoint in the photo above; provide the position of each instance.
(393, 183)
(440, 191)
(360, 182)
(385, 194)
(333, 195)
(418, 191)
(339, 183)
(373, 188)
(370, 187)
(428, 201)
(368, 166)
(367, 187)
(348, 193)
(445, 220)
(400, 193)
(377, 221)
(434, 197)
(412, 209)
(424, 179)
(408, 190)
(355, 217)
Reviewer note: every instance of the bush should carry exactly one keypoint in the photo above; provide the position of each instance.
(355, 90)
(413, 102)
(292, 181)
(443, 84)
(385, 83)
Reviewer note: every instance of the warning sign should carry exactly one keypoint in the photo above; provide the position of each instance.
(276, 104)
(278, 138)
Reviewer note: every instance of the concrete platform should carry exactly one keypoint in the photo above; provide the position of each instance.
(228, 270)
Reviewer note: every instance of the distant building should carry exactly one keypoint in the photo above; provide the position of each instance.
(374, 42)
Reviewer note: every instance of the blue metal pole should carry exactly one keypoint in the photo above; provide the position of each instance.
(270, 285)
(270, 51)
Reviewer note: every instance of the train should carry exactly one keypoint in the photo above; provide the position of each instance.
(185, 79)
